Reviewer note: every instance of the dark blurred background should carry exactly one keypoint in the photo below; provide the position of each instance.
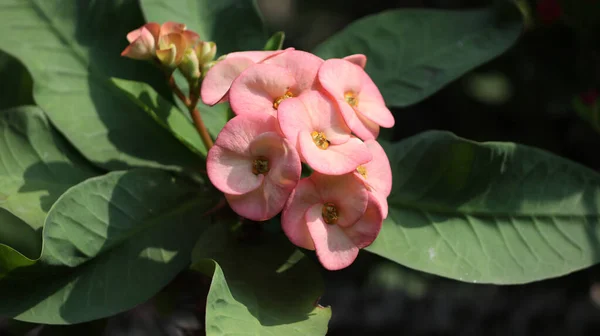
(543, 92)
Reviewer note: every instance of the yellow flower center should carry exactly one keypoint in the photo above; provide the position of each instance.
(362, 170)
(278, 100)
(330, 213)
(351, 98)
(320, 139)
(260, 165)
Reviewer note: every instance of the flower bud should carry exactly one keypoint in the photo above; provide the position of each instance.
(189, 66)
(206, 52)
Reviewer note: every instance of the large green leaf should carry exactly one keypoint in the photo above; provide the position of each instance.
(252, 290)
(36, 166)
(234, 25)
(489, 212)
(71, 49)
(412, 53)
(125, 235)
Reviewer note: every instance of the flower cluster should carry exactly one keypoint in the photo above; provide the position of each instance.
(172, 46)
(292, 107)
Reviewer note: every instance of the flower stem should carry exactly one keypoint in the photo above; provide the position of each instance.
(194, 113)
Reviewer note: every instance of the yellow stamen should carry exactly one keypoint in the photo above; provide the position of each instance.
(260, 166)
(278, 100)
(330, 213)
(351, 98)
(320, 139)
(362, 170)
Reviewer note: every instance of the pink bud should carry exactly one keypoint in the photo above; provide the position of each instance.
(357, 97)
(312, 124)
(142, 42)
(333, 215)
(254, 166)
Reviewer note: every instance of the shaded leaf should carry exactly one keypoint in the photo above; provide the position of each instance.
(254, 292)
(124, 235)
(166, 114)
(36, 166)
(489, 212)
(71, 49)
(412, 53)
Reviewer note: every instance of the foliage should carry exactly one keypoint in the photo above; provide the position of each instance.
(104, 195)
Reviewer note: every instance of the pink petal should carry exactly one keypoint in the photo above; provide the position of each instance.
(171, 27)
(293, 220)
(152, 27)
(293, 118)
(382, 200)
(302, 65)
(257, 205)
(143, 47)
(231, 172)
(284, 163)
(191, 38)
(336, 159)
(312, 111)
(346, 192)
(379, 171)
(338, 76)
(325, 117)
(334, 249)
(240, 131)
(256, 89)
(358, 59)
(372, 105)
(256, 56)
(358, 124)
(218, 80)
(364, 232)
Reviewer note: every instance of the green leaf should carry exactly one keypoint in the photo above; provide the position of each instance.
(125, 236)
(36, 166)
(234, 25)
(17, 83)
(489, 212)
(15, 236)
(166, 114)
(275, 42)
(412, 53)
(253, 292)
(72, 49)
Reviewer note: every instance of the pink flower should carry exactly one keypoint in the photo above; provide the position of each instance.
(377, 175)
(142, 42)
(312, 124)
(358, 98)
(216, 84)
(333, 215)
(262, 87)
(254, 166)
